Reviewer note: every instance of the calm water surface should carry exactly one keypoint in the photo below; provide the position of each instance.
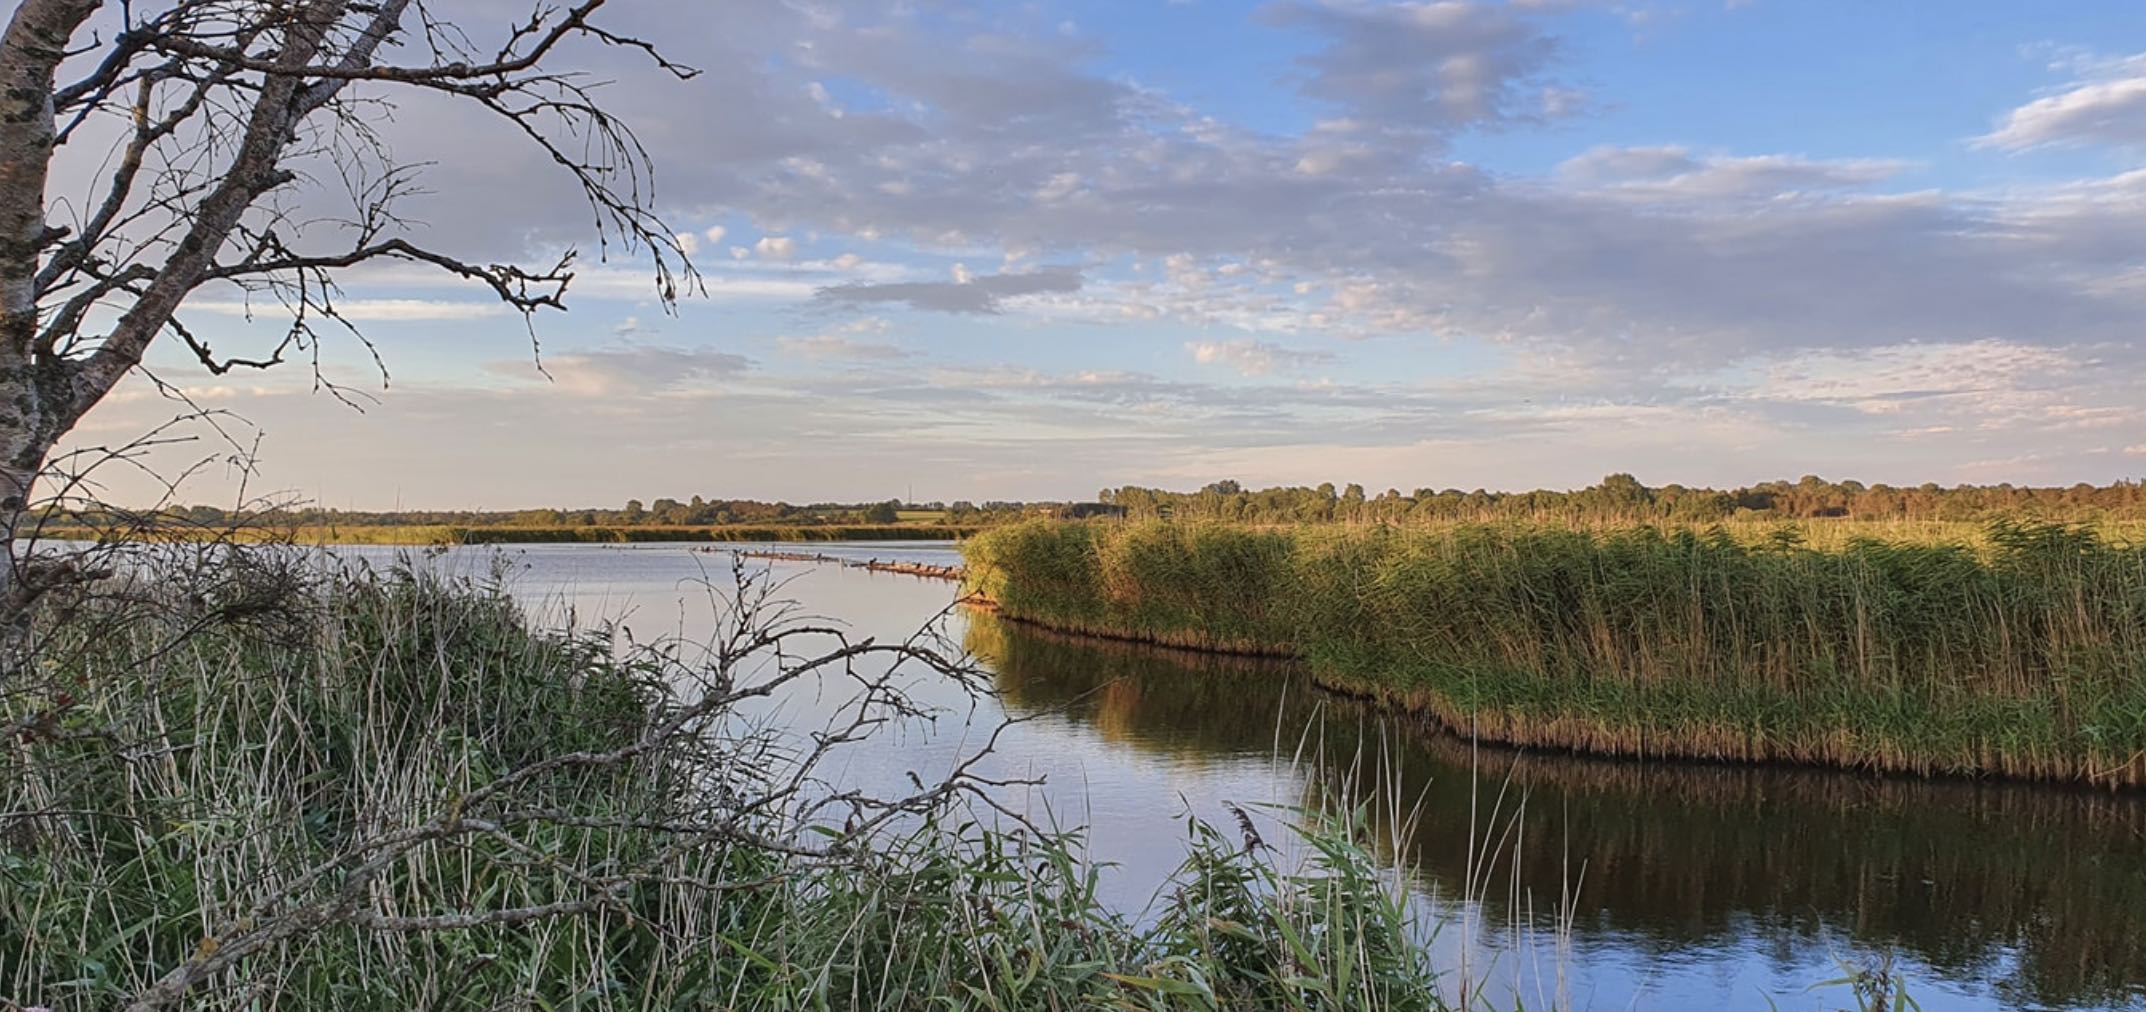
(1698, 887)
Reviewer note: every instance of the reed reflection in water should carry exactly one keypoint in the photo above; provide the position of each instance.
(2027, 895)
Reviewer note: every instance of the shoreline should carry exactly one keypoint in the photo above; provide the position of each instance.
(1877, 658)
(1597, 743)
(1503, 752)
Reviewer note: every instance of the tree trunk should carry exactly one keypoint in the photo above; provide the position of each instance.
(27, 435)
(30, 54)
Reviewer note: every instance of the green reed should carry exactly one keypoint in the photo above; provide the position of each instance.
(156, 788)
(2021, 652)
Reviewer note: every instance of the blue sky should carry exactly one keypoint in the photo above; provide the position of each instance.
(998, 251)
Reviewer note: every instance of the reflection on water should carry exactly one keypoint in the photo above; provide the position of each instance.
(2037, 894)
(1704, 887)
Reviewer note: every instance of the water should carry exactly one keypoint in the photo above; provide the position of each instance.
(1699, 887)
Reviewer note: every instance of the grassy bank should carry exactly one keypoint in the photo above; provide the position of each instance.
(271, 788)
(2020, 652)
(518, 535)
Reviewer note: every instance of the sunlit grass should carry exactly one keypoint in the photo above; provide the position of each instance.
(2004, 648)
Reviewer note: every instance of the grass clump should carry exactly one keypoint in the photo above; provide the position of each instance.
(2022, 654)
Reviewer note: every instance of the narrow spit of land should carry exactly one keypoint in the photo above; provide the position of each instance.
(2019, 651)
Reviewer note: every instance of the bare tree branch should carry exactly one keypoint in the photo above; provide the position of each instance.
(221, 118)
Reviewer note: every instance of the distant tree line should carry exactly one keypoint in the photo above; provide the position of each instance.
(1616, 498)
(1621, 497)
(694, 512)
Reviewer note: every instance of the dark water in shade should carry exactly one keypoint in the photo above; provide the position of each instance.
(1699, 887)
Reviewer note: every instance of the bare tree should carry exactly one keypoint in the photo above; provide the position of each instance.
(220, 120)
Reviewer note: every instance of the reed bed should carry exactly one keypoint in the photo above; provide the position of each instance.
(2019, 652)
(164, 797)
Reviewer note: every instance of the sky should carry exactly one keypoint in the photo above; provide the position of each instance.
(986, 250)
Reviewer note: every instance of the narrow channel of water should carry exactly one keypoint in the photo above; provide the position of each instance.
(1699, 887)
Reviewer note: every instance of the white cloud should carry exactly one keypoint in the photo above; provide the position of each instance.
(725, 283)
(847, 342)
(1668, 172)
(1254, 358)
(2107, 108)
(1059, 187)
(779, 248)
(629, 372)
(1992, 374)
(968, 293)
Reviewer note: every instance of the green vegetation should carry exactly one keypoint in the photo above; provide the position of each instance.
(2022, 653)
(697, 514)
(1618, 500)
(278, 788)
(1621, 499)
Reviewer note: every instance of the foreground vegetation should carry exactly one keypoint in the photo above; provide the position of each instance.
(270, 787)
(2021, 652)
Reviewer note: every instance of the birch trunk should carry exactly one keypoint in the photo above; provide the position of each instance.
(30, 53)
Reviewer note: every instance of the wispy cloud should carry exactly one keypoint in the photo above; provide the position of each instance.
(362, 310)
(2108, 106)
(1255, 358)
(629, 372)
(847, 342)
(985, 294)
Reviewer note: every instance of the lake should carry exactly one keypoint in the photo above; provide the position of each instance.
(1696, 886)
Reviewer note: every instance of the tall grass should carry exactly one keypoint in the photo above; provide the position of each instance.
(393, 791)
(2021, 652)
